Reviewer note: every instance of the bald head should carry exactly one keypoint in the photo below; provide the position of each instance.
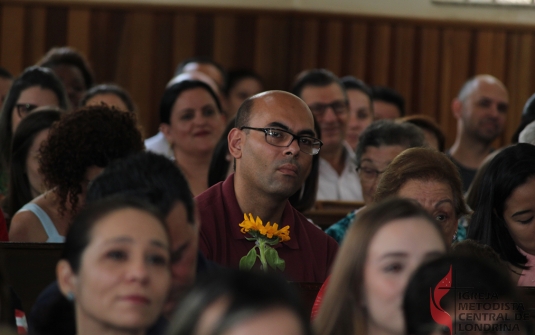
(474, 83)
(268, 99)
(481, 109)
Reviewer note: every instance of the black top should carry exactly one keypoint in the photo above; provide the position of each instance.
(467, 174)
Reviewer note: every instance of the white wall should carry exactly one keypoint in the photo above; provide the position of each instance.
(399, 8)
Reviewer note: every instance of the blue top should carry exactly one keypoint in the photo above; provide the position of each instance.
(48, 225)
(339, 229)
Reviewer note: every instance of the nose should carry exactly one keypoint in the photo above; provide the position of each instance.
(200, 118)
(329, 115)
(293, 148)
(137, 271)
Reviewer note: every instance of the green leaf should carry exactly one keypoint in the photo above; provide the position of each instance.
(247, 261)
(279, 262)
(271, 257)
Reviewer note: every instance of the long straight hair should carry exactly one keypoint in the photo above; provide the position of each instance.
(507, 171)
(342, 311)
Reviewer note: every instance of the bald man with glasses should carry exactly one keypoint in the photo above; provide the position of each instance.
(273, 143)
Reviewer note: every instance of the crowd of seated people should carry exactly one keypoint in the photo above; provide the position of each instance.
(156, 233)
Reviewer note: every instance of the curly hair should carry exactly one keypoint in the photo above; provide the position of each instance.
(95, 135)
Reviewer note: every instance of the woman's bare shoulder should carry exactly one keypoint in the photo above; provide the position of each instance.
(26, 227)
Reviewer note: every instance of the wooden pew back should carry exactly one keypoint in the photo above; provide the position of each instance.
(30, 267)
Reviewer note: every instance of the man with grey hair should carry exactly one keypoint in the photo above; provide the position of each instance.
(528, 134)
(480, 110)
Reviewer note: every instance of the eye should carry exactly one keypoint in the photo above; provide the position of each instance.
(274, 133)
(502, 108)
(306, 141)
(116, 255)
(394, 268)
(209, 111)
(441, 217)
(526, 221)
(157, 259)
(187, 116)
(363, 114)
(484, 103)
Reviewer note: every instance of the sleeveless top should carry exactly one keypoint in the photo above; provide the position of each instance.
(46, 222)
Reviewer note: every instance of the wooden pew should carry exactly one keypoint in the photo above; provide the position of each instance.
(30, 267)
(325, 213)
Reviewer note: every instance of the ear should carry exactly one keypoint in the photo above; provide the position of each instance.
(235, 142)
(456, 108)
(166, 131)
(66, 277)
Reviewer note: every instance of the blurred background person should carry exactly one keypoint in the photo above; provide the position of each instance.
(434, 137)
(111, 95)
(505, 210)
(387, 103)
(360, 109)
(192, 123)
(26, 182)
(72, 69)
(240, 85)
(373, 267)
(196, 68)
(236, 302)
(78, 148)
(115, 267)
(35, 87)
(327, 99)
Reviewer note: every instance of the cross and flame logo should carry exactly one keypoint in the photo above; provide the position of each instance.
(439, 315)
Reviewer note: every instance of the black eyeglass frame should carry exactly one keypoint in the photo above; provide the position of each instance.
(298, 137)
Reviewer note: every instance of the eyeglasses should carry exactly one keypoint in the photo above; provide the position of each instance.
(282, 138)
(369, 173)
(339, 108)
(25, 109)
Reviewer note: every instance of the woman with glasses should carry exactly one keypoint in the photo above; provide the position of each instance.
(35, 87)
(192, 122)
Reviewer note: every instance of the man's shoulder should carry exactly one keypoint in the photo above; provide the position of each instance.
(210, 197)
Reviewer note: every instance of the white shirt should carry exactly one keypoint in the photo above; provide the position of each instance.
(158, 144)
(346, 186)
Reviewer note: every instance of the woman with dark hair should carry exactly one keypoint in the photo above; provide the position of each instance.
(72, 69)
(241, 84)
(233, 302)
(381, 250)
(430, 178)
(25, 180)
(192, 122)
(115, 267)
(78, 147)
(35, 87)
(504, 216)
(109, 94)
